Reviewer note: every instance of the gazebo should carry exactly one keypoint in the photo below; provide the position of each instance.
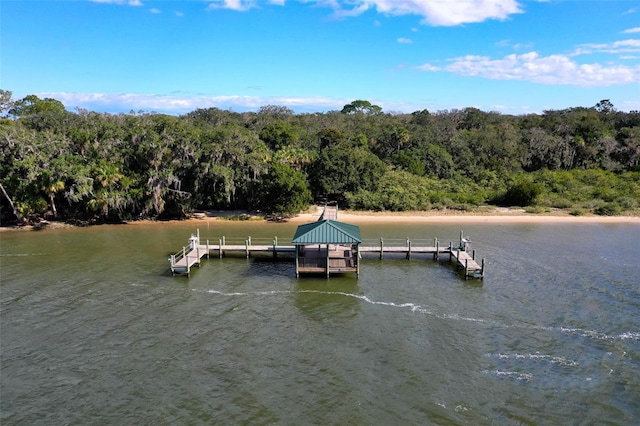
(327, 246)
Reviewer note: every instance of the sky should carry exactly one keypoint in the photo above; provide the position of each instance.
(510, 56)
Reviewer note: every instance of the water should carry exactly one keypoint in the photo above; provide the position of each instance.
(95, 331)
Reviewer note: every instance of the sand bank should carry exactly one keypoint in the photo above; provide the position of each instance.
(457, 217)
(497, 215)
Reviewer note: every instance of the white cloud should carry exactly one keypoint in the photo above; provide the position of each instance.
(239, 5)
(429, 67)
(125, 2)
(632, 30)
(620, 46)
(551, 70)
(403, 40)
(179, 104)
(433, 12)
(154, 10)
(514, 46)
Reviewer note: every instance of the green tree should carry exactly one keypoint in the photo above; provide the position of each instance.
(522, 193)
(361, 107)
(40, 114)
(343, 168)
(278, 135)
(284, 190)
(5, 102)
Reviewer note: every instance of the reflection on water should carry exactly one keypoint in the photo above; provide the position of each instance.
(93, 330)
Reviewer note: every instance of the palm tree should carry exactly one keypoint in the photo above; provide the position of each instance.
(51, 188)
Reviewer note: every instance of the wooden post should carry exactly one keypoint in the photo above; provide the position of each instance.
(327, 260)
(482, 270)
(220, 243)
(275, 244)
(198, 254)
(473, 255)
(198, 235)
(381, 248)
(461, 236)
(408, 249)
(297, 265)
(246, 247)
(436, 255)
(466, 268)
(358, 261)
(450, 251)
(186, 259)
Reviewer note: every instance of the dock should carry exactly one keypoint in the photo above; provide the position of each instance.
(332, 257)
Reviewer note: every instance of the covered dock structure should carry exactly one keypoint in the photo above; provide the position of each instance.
(327, 246)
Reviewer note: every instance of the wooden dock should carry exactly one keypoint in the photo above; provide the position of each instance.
(191, 255)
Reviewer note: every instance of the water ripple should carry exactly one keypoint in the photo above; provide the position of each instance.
(413, 307)
(552, 359)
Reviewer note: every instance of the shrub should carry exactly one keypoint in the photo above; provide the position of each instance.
(609, 209)
(522, 193)
(561, 203)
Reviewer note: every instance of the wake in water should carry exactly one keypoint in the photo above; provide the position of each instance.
(536, 357)
(413, 307)
(23, 254)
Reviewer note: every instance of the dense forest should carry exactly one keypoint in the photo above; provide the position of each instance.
(95, 167)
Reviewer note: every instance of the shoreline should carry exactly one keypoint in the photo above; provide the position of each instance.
(495, 216)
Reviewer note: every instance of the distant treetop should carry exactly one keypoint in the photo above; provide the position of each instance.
(362, 107)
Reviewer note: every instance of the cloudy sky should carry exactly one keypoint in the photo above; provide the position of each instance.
(511, 56)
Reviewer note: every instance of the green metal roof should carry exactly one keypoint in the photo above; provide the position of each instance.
(327, 232)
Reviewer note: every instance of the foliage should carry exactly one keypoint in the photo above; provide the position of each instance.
(283, 190)
(361, 107)
(522, 193)
(98, 167)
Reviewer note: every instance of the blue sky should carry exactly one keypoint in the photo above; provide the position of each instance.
(515, 57)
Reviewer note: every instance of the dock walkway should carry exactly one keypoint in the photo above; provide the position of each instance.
(191, 255)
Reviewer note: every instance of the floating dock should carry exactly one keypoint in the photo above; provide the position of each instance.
(329, 258)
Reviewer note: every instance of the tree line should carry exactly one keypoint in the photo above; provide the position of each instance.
(98, 167)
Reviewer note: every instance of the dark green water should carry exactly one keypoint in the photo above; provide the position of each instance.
(95, 331)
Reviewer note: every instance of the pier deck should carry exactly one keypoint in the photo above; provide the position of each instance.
(467, 262)
(190, 256)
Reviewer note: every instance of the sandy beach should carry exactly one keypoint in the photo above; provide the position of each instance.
(497, 215)
(494, 216)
